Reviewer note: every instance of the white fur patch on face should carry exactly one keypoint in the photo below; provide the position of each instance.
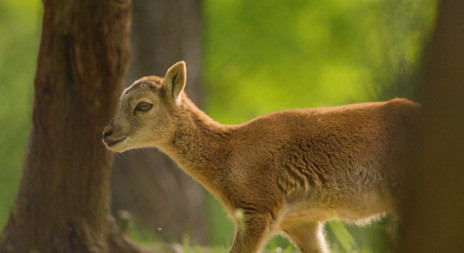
(120, 146)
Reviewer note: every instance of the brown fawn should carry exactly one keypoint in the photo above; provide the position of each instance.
(284, 172)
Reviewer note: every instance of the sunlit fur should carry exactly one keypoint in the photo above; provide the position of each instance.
(288, 171)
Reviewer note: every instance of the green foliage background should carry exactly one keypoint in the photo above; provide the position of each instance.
(259, 56)
(19, 39)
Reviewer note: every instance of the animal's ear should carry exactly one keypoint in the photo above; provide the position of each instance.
(175, 79)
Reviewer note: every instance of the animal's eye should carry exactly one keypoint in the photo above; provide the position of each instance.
(143, 107)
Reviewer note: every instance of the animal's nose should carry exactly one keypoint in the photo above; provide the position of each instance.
(107, 133)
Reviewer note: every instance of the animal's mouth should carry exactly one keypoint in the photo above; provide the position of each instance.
(110, 143)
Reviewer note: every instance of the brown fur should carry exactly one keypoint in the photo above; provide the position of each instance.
(288, 171)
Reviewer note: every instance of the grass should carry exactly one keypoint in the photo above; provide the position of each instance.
(341, 238)
(377, 237)
(149, 240)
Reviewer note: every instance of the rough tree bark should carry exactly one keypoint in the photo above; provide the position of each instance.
(148, 183)
(434, 208)
(63, 200)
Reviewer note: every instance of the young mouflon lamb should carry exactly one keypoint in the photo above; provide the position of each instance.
(284, 172)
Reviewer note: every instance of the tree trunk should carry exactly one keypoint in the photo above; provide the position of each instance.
(434, 208)
(63, 200)
(147, 183)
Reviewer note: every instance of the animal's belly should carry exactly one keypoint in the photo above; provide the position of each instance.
(320, 207)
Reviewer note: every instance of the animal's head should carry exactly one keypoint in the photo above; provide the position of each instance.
(145, 114)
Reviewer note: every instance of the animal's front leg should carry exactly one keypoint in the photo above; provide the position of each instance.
(252, 232)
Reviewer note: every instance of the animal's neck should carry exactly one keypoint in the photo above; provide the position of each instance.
(199, 144)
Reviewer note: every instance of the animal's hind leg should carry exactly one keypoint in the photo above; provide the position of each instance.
(308, 237)
(252, 232)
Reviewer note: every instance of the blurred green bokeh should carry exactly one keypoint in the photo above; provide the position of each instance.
(19, 40)
(263, 56)
(259, 56)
